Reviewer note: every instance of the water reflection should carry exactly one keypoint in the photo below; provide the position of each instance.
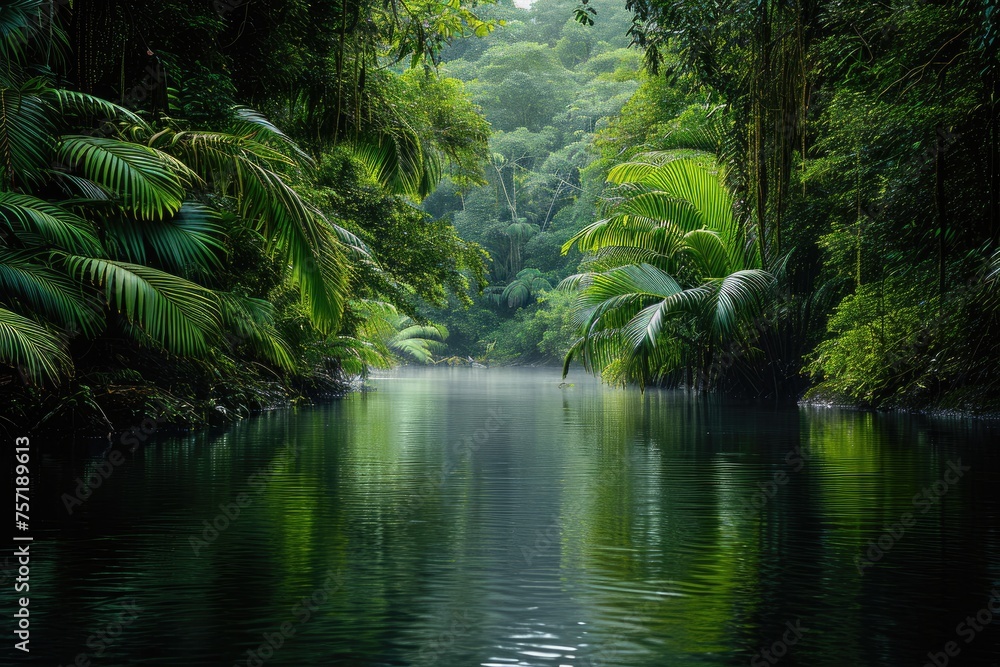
(490, 517)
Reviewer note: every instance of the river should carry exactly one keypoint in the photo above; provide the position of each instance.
(457, 517)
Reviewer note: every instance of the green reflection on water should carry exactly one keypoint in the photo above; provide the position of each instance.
(585, 524)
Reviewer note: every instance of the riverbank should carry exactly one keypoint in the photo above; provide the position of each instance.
(121, 412)
(970, 402)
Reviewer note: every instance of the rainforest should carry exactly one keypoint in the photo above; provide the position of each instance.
(500, 333)
(222, 208)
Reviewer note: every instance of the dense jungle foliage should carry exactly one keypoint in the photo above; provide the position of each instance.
(208, 209)
(198, 201)
(787, 199)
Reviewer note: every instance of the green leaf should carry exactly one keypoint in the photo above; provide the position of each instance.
(191, 242)
(35, 222)
(39, 354)
(175, 313)
(149, 183)
(29, 282)
(250, 322)
(25, 136)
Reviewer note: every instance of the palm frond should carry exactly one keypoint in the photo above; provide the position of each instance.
(190, 242)
(740, 296)
(27, 22)
(250, 322)
(25, 136)
(664, 209)
(356, 356)
(380, 157)
(709, 253)
(314, 249)
(418, 342)
(252, 125)
(211, 153)
(627, 239)
(688, 181)
(575, 282)
(37, 353)
(993, 268)
(37, 222)
(400, 163)
(79, 188)
(151, 184)
(355, 247)
(29, 283)
(177, 314)
(73, 102)
(673, 256)
(297, 230)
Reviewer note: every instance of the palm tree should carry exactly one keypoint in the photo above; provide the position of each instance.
(521, 291)
(417, 342)
(252, 167)
(384, 336)
(673, 273)
(124, 229)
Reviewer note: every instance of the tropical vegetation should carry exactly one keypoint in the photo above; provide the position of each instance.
(167, 247)
(852, 152)
(211, 210)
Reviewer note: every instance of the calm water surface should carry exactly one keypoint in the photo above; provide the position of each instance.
(463, 517)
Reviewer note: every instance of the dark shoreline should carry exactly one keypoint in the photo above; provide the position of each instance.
(145, 428)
